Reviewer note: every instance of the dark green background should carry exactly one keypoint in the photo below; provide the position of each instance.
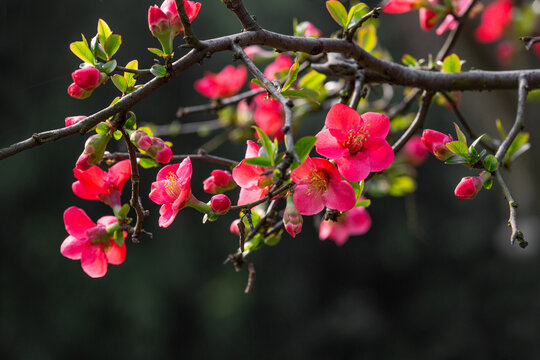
(459, 292)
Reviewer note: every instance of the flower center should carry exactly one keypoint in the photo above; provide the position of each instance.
(171, 186)
(355, 139)
(98, 235)
(318, 183)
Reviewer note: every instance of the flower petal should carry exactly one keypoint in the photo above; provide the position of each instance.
(340, 196)
(301, 174)
(327, 145)
(354, 167)
(166, 171)
(158, 193)
(358, 221)
(380, 154)
(246, 175)
(252, 149)
(84, 192)
(250, 195)
(168, 214)
(94, 261)
(73, 247)
(116, 254)
(341, 119)
(119, 173)
(77, 222)
(107, 220)
(377, 124)
(307, 203)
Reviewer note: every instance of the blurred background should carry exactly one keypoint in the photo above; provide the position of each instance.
(449, 287)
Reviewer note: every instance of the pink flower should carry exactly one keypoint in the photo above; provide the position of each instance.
(169, 8)
(354, 222)
(318, 184)
(414, 151)
(401, 6)
(270, 117)
(72, 120)
(77, 92)
(436, 142)
(172, 190)
(225, 84)
(87, 78)
(94, 148)
(160, 151)
(250, 178)
(450, 22)
(357, 143)
(307, 29)
(292, 220)
(220, 204)
(92, 243)
(141, 140)
(469, 186)
(96, 184)
(234, 227)
(428, 17)
(219, 182)
(495, 18)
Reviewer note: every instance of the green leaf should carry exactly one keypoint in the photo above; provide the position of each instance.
(451, 64)
(302, 93)
(458, 148)
(257, 82)
(353, 11)
(131, 122)
(519, 142)
(123, 212)
(473, 155)
(303, 147)
(338, 12)
(500, 128)
(363, 203)
(109, 67)
(408, 60)
(313, 80)
(158, 71)
(148, 163)
(490, 163)
(259, 161)
(117, 135)
(456, 160)
(82, 51)
(102, 128)
(119, 238)
(273, 239)
(130, 77)
(460, 134)
(488, 183)
(293, 74)
(267, 144)
(120, 83)
(112, 44)
(477, 140)
(158, 52)
(367, 37)
(103, 31)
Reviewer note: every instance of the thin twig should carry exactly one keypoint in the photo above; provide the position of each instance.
(454, 33)
(270, 195)
(403, 105)
(175, 128)
(512, 205)
(251, 277)
(518, 123)
(217, 105)
(117, 156)
(372, 14)
(530, 41)
(133, 71)
(358, 90)
(417, 123)
(189, 35)
(247, 21)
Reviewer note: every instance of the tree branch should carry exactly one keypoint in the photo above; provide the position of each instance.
(512, 205)
(247, 21)
(189, 35)
(217, 105)
(117, 156)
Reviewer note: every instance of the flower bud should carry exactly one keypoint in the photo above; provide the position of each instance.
(161, 28)
(234, 227)
(141, 140)
(160, 151)
(220, 204)
(94, 148)
(292, 218)
(72, 120)
(307, 29)
(219, 182)
(87, 78)
(77, 92)
(428, 17)
(436, 142)
(469, 186)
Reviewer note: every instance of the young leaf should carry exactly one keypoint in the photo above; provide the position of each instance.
(408, 60)
(458, 148)
(456, 160)
(82, 51)
(363, 203)
(354, 10)
(117, 135)
(120, 83)
(148, 163)
(491, 163)
(109, 67)
(460, 134)
(158, 52)
(259, 161)
(302, 93)
(293, 74)
(102, 128)
(158, 71)
(519, 142)
(313, 80)
(338, 12)
(500, 127)
(488, 184)
(257, 82)
(367, 38)
(103, 31)
(451, 64)
(303, 147)
(112, 44)
(130, 77)
(267, 144)
(119, 238)
(477, 140)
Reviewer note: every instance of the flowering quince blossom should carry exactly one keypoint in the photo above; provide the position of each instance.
(354, 222)
(270, 117)
(357, 143)
(87, 78)
(96, 184)
(428, 17)
(224, 84)
(220, 204)
(292, 220)
(401, 6)
(92, 243)
(495, 18)
(72, 120)
(469, 186)
(307, 29)
(435, 142)
(249, 177)
(450, 22)
(172, 190)
(94, 148)
(218, 182)
(77, 92)
(319, 185)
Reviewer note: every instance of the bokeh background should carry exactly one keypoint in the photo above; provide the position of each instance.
(453, 288)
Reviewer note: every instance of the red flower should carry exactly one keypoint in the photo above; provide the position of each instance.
(72, 120)
(250, 178)
(92, 244)
(269, 116)
(354, 222)
(77, 92)
(428, 17)
(307, 29)
(96, 184)
(219, 182)
(469, 186)
(94, 148)
(87, 78)
(450, 22)
(495, 19)
(220, 204)
(222, 85)
(505, 52)
(357, 143)
(318, 184)
(172, 190)
(292, 220)
(401, 6)
(436, 142)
